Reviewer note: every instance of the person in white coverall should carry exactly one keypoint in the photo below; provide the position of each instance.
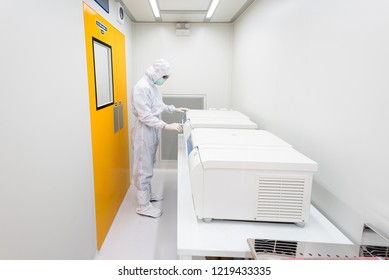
(147, 105)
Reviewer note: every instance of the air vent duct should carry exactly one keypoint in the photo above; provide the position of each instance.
(275, 247)
(374, 245)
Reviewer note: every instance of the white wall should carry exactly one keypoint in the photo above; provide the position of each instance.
(201, 62)
(316, 74)
(46, 174)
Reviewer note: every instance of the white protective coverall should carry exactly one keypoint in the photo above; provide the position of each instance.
(147, 105)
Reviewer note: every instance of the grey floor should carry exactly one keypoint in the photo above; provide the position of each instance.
(135, 237)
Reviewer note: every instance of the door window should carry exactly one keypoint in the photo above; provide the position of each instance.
(102, 60)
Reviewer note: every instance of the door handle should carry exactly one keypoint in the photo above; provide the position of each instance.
(120, 115)
(115, 118)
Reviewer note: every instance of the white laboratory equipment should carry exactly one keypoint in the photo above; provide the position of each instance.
(216, 119)
(240, 137)
(215, 113)
(257, 178)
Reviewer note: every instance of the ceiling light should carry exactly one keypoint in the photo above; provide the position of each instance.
(212, 8)
(154, 6)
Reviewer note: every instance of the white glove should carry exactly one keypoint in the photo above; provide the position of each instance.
(174, 127)
(181, 110)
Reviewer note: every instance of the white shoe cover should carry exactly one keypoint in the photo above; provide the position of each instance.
(156, 196)
(148, 210)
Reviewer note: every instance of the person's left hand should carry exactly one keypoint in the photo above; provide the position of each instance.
(181, 110)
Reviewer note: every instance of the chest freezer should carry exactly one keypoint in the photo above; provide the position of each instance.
(192, 124)
(215, 119)
(213, 114)
(236, 137)
(230, 138)
(257, 183)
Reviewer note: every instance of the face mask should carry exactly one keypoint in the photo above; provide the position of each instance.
(159, 82)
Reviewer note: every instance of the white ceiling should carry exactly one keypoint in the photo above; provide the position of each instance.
(185, 10)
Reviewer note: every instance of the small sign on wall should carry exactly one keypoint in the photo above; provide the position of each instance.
(103, 4)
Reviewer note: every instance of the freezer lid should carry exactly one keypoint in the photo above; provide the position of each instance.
(191, 114)
(237, 137)
(256, 158)
(222, 123)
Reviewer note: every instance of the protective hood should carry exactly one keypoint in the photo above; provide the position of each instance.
(159, 69)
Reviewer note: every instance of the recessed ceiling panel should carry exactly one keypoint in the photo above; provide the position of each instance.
(194, 5)
(140, 10)
(185, 10)
(227, 9)
(183, 17)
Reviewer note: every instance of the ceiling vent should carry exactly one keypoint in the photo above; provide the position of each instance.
(182, 29)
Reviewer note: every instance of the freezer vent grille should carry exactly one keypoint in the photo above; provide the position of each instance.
(275, 247)
(280, 198)
(375, 251)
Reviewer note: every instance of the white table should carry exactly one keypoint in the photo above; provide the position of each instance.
(229, 238)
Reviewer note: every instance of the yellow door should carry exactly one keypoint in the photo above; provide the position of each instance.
(105, 50)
